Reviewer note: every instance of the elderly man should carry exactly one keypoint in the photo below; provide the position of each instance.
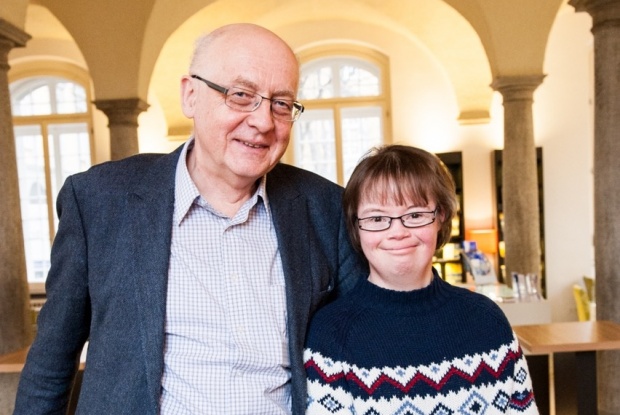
(193, 275)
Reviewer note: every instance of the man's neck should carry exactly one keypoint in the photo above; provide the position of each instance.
(225, 194)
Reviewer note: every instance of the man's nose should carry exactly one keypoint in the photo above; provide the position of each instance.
(262, 117)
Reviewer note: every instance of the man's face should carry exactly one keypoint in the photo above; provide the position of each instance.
(240, 147)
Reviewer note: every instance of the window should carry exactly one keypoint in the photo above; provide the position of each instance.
(52, 140)
(346, 102)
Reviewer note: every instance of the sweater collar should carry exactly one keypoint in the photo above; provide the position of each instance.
(431, 296)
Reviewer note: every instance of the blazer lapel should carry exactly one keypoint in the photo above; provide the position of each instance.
(292, 224)
(149, 225)
(290, 216)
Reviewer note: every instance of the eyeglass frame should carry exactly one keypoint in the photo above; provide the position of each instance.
(434, 212)
(297, 107)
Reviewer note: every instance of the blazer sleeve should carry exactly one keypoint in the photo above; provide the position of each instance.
(63, 324)
(353, 265)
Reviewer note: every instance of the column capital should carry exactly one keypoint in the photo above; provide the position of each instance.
(10, 37)
(603, 12)
(13, 34)
(123, 124)
(123, 111)
(517, 87)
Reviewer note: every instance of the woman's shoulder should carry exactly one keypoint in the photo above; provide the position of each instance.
(480, 309)
(332, 322)
(333, 315)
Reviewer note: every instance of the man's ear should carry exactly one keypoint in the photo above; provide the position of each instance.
(188, 96)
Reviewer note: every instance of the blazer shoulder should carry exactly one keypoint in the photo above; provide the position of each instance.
(300, 180)
(142, 169)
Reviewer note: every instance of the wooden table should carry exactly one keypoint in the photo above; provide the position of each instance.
(13, 362)
(583, 338)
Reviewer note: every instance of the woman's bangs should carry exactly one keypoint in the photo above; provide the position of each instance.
(398, 191)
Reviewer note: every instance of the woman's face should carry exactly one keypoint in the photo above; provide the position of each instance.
(400, 258)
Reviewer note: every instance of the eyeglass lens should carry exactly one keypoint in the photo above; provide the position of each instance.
(409, 220)
(247, 101)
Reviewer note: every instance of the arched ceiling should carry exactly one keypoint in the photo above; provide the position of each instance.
(431, 24)
(14, 12)
(132, 46)
(42, 24)
(514, 33)
(110, 35)
(48, 37)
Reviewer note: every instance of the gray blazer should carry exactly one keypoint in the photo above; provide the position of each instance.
(107, 282)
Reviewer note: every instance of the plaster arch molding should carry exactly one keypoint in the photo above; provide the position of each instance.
(421, 24)
(432, 26)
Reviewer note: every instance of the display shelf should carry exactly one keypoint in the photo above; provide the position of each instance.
(448, 261)
(497, 167)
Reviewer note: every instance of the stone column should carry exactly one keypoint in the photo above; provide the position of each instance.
(123, 124)
(519, 176)
(606, 30)
(15, 324)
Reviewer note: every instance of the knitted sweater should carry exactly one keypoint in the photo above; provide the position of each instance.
(437, 350)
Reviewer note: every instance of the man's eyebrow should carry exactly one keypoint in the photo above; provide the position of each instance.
(242, 82)
(245, 83)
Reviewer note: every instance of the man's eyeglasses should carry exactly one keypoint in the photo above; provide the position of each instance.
(409, 220)
(247, 101)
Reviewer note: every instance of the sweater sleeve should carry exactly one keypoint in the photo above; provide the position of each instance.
(522, 396)
(326, 369)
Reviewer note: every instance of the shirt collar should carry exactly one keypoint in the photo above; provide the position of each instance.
(186, 192)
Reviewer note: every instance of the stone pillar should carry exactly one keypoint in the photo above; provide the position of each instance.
(15, 324)
(519, 176)
(123, 124)
(606, 30)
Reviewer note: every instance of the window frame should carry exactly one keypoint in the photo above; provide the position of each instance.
(336, 104)
(70, 73)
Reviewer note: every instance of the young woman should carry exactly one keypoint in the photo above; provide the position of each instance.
(405, 341)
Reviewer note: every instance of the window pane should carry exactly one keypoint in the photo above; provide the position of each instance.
(69, 150)
(315, 143)
(33, 200)
(357, 82)
(47, 95)
(316, 83)
(36, 102)
(361, 130)
(70, 98)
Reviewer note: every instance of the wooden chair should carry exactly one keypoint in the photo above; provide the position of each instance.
(581, 302)
(590, 288)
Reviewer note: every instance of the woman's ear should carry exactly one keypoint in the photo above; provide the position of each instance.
(440, 215)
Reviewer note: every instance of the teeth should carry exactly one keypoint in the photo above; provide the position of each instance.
(252, 145)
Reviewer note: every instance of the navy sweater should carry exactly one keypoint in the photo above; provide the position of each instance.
(437, 350)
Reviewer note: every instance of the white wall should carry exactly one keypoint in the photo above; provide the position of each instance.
(152, 129)
(564, 128)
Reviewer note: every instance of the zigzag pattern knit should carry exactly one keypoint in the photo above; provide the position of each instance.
(436, 351)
